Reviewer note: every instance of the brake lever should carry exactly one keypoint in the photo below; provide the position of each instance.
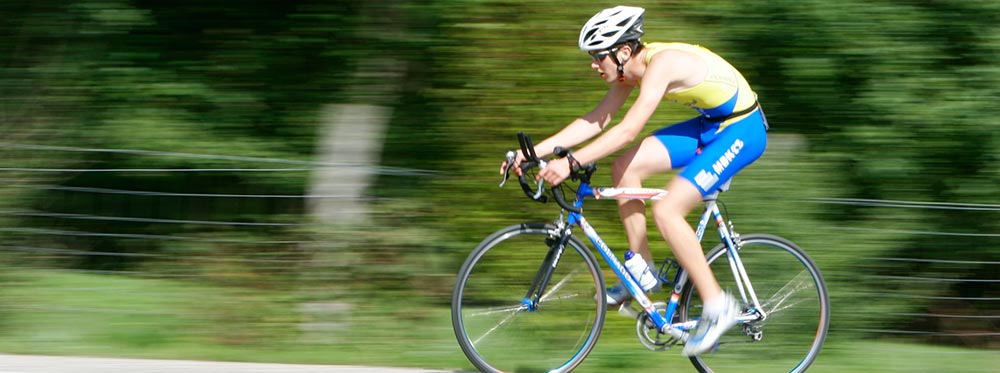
(506, 170)
(540, 185)
(528, 150)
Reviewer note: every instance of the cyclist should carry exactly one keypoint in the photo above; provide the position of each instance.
(728, 134)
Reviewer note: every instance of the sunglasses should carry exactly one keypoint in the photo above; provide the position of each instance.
(599, 56)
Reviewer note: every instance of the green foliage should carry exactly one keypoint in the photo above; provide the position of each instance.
(894, 100)
(99, 315)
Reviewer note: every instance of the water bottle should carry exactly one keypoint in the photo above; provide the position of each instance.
(640, 271)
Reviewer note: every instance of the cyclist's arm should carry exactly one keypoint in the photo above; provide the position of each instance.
(661, 74)
(589, 125)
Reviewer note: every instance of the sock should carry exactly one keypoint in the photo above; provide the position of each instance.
(715, 306)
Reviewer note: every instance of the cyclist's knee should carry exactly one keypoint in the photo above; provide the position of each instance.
(682, 197)
(664, 211)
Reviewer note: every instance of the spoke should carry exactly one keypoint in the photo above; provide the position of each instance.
(779, 301)
(513, 312)
(786, 329)
(563, 297)
(491, 311)
(558, 286)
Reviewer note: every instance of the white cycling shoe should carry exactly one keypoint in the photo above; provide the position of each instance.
(716, 319)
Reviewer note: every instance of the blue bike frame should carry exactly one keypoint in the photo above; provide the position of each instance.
(663, 321)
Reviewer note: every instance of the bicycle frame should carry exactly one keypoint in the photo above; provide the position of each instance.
(663, 322)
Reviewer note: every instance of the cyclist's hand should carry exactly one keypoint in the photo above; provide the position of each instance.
(556, 171)
(518, 158)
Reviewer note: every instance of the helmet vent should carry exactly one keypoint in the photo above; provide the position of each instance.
(611, 27)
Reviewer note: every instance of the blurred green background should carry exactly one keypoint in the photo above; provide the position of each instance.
(299, 181)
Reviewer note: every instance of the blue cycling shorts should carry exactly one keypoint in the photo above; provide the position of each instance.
(711, 157)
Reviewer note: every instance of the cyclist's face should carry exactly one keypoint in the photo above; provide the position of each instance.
(602, 62)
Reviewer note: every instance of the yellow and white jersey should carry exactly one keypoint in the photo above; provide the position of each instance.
(723, 92)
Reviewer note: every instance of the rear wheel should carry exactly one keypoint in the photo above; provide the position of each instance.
(793, 297)
(496, 321)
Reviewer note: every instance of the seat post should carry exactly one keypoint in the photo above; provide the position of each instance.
(722, 188)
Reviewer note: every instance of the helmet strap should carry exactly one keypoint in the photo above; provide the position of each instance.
(621, 64)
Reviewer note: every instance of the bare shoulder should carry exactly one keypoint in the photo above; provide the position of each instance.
(675, 56)
(681, 68)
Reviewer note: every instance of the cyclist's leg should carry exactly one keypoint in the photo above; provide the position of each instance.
(669, 214)
(728, 152)
(719, 313)
(654, 155)
(628, 171)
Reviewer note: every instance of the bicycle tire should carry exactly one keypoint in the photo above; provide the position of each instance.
(792, 293)
(497, 333)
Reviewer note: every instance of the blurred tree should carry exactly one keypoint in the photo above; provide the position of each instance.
(898, 94)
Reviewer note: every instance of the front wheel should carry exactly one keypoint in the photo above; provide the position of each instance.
(792, 295)
(501, 326)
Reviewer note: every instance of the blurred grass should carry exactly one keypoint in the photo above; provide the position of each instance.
(101, 315)
(393, 300)
(900, 110)
(393, 314)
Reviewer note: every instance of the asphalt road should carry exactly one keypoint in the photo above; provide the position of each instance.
(62, 364)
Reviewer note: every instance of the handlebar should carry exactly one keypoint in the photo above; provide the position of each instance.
(535, 189)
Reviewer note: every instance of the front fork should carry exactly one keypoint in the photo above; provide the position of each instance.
(557, 244)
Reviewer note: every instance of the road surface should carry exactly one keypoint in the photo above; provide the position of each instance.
(61, 364)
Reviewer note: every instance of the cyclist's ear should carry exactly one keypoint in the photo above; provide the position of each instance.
(626, 50)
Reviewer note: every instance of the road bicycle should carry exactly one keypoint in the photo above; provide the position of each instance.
(531, 297)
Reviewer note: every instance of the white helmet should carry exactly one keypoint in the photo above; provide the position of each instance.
(611, 27)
